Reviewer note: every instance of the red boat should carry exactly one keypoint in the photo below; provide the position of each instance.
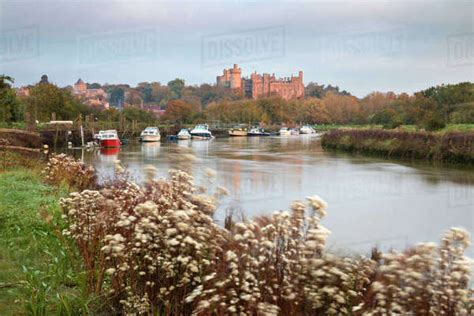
(109, 139)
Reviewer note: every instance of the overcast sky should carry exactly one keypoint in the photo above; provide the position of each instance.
(359, 46)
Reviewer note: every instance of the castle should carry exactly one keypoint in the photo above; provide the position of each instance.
(258, 86)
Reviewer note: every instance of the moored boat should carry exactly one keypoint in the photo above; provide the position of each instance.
(294, 131)
(284, 131)
(257, 131)
(238, 131)
(306, 129)
(184, 134)
(150, 134)
(201, 131)
(109, 138)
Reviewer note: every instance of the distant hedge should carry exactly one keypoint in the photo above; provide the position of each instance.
(453, 147)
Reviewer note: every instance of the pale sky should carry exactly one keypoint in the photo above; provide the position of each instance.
(359, 46)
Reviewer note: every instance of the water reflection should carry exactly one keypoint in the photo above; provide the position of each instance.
(150, 150)
(371, 201)
(108, 154)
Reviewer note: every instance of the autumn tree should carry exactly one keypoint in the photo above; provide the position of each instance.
(313, 111)
(343, 109)
(178, 111)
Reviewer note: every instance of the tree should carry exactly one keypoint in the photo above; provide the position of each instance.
(117, 96)
(274, 110)
(313, 111)
(389, 118)
(314, 90)
(178, 111)
(133, 113)
(94, 85)
(429, 116)
(450, 97)
(343, 109)
(44, 79)
(47, 98)
(176, 86)
(10, 107)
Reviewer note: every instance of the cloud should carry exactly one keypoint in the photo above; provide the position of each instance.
(340, 41)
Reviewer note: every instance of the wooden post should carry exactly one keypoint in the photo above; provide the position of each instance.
(82, 136)
(56, 135)
(30, 121)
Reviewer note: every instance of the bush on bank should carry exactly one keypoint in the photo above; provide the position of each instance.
(454, 147)
(155, 249)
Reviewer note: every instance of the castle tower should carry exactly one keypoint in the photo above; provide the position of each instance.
(236, 78)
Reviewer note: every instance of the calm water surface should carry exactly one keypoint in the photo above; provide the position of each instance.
(371, 201)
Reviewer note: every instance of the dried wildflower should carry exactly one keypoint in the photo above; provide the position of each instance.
(161, 250)
(150, 173)
(64, 169)
(118, 168)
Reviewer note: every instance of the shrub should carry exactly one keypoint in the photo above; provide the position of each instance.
(389, 118)
(63, 169)
(155, 249)
(432, 122)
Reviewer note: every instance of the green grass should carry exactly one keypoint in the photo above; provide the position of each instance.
(37, 273)
(19, 125)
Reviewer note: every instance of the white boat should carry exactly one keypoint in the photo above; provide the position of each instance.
(284, 131)
(150, 134)
(306, 129)
(294, 131)
(184, 134)
(238, 131)
(257, 131)
(201, 131)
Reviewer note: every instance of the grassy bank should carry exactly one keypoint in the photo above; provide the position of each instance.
(37, 274)
(452, 147)
(412, 128)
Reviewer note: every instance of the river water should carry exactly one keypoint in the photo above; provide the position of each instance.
(372, 201)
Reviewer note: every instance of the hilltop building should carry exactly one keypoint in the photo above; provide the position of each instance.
(264, 85)
(91, 97)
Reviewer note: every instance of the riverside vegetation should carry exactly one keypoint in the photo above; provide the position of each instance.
(451, 147)
(124, 248)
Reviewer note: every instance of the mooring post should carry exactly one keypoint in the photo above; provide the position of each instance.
(82, 136)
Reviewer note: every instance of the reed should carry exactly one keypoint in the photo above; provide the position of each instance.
(452, 147)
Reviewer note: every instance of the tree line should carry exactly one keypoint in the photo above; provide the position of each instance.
(430, 109)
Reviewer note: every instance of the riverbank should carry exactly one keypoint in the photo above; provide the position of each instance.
(156, 248)
(448, 147)
(38, 275)
(411, 128)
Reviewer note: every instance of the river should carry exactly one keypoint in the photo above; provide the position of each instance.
(372, 201)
